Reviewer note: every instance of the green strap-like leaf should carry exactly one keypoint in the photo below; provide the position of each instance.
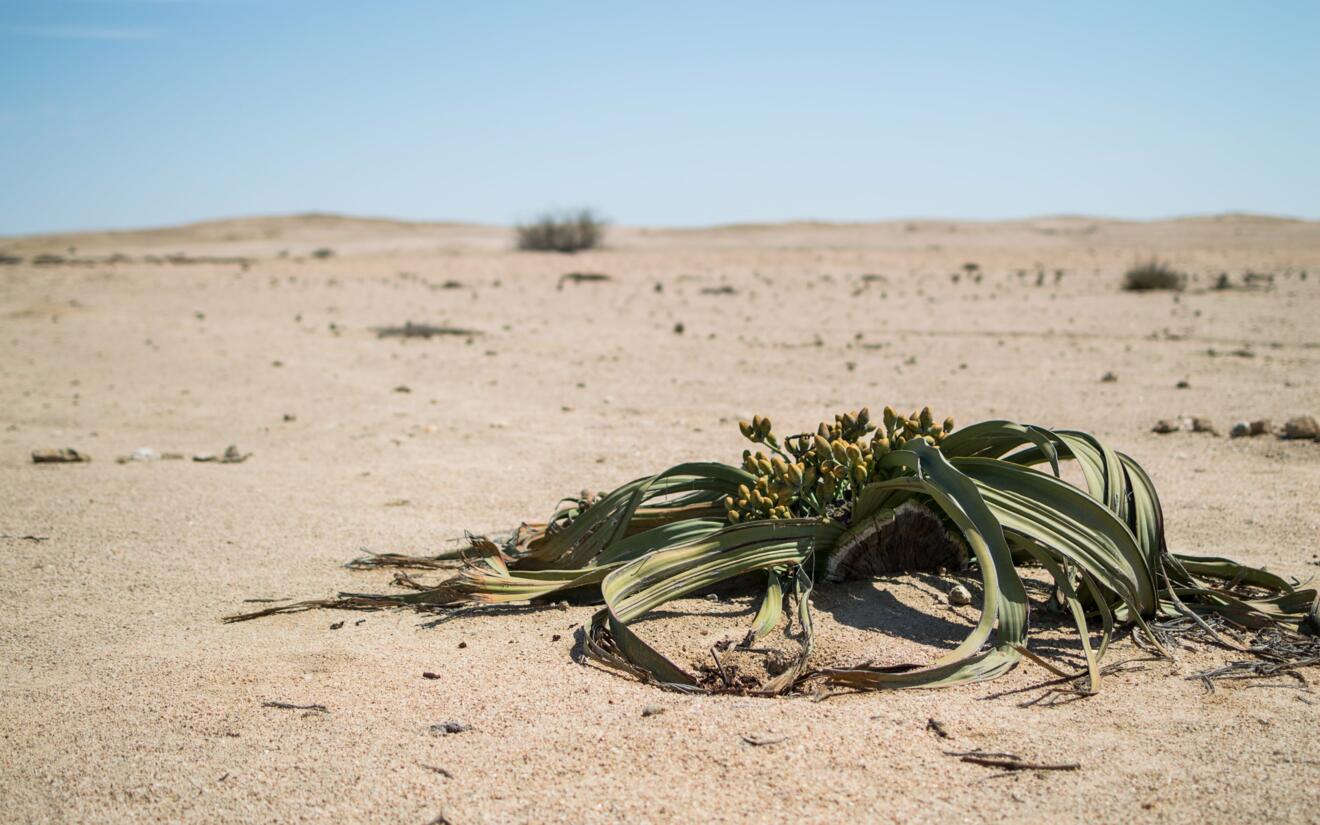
(771, 609)
(648, 582)
(1068, 522)
(1004, 597)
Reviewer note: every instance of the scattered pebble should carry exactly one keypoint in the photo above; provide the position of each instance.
(403, 388)
(148, 454)
(1186, 423)
(1183, 384)
(1203, 425)
(61, 455)
(231, 455)
(960, 596)
(430, 675)
(449, 727)
(1302, 426)
(1241, 429)
(1109, 378)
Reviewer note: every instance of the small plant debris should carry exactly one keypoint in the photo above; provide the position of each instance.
(1009, 761)
(231, 455)
(760, 740)
(582, 278)
(60, 455)
(423, 330)
(1275, 652)
(291, 706)
(436, 769)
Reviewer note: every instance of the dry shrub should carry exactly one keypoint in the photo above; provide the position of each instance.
(1153, 274)
(562, 232)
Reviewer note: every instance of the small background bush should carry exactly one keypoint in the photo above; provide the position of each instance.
(1151, 275)
(562, 232)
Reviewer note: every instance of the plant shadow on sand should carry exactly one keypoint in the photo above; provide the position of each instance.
(912, 610)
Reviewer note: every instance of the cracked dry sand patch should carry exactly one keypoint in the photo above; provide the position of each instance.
(122, 698)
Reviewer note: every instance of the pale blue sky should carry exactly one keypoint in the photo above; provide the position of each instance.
(119, 113)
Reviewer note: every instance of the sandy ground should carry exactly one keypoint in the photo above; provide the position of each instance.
(123, 697)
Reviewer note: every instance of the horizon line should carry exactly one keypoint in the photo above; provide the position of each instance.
(349, 216)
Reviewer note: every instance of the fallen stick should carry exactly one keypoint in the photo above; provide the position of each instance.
(288, 706)
(1009, 761)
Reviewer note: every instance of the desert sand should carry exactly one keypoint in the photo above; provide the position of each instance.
(123, 698)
